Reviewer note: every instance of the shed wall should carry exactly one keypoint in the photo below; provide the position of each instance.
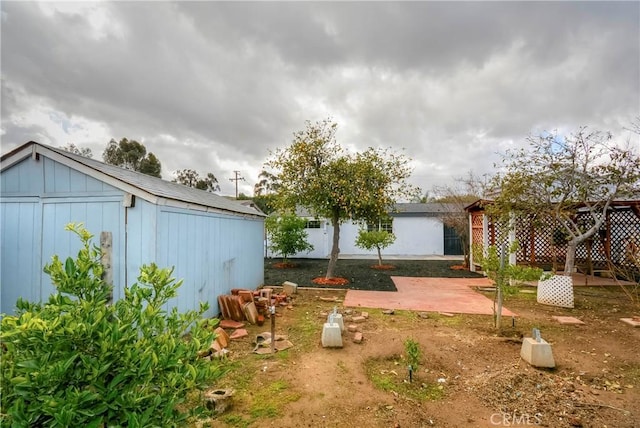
(212, 252)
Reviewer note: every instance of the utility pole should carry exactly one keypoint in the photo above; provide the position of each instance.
(236, 179)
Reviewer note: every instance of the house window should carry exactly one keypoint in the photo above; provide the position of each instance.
(384, 224)
(313, 224)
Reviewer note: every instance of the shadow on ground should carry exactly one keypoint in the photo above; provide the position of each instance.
(359, 272)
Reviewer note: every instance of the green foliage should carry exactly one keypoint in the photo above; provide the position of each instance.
(317, 174)
(132, 155)
(505, 275)
(82, 151)
(557, 174)
(375, 239)
(191, 178)
(77, 360)
(287, 235)
(414, 354)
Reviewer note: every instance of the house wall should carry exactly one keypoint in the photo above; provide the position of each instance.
(211, 252)
(415, 237)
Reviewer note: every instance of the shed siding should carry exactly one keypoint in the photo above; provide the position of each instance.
(213, 252)
(20, 256)
(39, 198)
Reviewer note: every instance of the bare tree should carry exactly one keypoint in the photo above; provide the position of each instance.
(559, 176)
(457, 196)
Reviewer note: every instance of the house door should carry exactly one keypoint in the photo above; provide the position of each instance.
(452, 243)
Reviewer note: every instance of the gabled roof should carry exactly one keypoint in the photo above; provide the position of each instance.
(431, 209)
(151, 189)
(408, 209)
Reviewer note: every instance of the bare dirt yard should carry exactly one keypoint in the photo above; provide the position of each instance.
(469, 374)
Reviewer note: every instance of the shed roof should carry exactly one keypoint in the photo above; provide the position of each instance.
(152, 189)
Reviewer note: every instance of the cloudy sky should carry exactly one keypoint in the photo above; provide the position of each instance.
(216, 86)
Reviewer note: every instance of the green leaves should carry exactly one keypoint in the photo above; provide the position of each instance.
(287, 235)
(78, 361)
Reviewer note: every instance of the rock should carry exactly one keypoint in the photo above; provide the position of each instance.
(218, 400)
(357, 337)
(358, 319)
(239, 333)
(423, 315)
(388, 312)
(365, 315)
(352, 328)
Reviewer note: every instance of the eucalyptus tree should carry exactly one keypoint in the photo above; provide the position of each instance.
(191, 178)
(132, 155)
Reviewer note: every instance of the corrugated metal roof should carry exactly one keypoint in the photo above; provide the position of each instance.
(153, 185)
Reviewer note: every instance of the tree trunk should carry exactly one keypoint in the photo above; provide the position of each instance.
(335, 249)
(570, 260)
(379, 256)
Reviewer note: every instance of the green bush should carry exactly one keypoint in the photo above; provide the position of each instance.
(80, 360)
(287, 235)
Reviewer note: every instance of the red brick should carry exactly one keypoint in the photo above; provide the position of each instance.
(357, 337)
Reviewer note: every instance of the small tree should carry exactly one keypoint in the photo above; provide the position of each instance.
(378, 239)
(505, 276)
(287, 235)
(558, 175)
(316, 173)
(77, 360)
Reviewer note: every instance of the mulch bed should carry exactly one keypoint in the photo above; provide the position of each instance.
(359, 274)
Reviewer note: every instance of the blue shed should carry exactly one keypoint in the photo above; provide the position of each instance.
(215, 244)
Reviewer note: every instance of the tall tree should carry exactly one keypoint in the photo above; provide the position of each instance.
(191, 178)
(268, 184)
(464, 191)
(132, 155)
(82, 151)
(557, 176)
(314, 172)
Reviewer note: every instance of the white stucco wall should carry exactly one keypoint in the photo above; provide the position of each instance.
(415, 236)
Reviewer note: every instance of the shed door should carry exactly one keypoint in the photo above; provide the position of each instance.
(452, 244)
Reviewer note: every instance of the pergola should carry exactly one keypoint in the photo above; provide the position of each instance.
(542, 243)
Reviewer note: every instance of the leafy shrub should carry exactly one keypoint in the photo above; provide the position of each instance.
(414, 354)
(375, 239)
(287, 235)
(79, 360)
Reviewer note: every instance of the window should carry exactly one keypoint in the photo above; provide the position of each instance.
(313, 224)
(384, 224)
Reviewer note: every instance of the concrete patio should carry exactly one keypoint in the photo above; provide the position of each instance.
(452, 295)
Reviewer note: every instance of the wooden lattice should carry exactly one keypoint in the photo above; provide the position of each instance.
(543, 242)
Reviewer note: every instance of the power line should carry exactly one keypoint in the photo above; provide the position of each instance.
(236, 179)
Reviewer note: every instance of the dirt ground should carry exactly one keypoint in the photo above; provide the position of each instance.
(474, 375)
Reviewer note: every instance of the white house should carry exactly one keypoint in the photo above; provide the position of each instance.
(418, 228)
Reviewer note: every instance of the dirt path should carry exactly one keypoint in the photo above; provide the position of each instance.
(483, 381)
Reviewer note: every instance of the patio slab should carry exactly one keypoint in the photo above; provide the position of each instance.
(453, 295)
(564, 320)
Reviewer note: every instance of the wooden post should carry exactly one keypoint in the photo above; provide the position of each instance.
(273, 329)
(106, 246)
